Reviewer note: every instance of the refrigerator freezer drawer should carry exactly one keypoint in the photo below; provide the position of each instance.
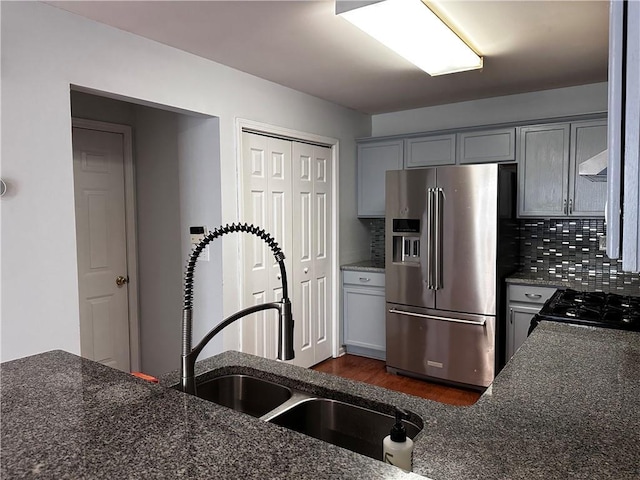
(457, 348)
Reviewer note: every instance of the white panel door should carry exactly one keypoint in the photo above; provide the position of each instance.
(311, 257)
(98, 161)
(267, 204)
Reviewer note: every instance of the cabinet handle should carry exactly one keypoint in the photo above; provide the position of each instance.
(534, 296)
(564, 206)
(570, 206)
(365, 279)
(511, 316)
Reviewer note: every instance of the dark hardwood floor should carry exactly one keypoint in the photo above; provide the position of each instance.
(372, 371)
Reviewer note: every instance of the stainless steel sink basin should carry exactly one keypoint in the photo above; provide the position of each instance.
(354, 428)
(244, 393)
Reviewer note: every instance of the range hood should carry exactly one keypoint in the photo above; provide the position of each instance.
(595, 169)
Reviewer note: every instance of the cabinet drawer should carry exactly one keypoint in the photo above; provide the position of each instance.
(530, 293)
(369, 279)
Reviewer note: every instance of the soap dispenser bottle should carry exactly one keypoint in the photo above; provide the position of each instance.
(397, 449)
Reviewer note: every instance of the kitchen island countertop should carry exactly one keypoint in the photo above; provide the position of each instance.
(566, 406)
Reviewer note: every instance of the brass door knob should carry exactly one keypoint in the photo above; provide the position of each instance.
(120, 280)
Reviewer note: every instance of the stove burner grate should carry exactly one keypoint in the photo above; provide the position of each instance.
(593, 308)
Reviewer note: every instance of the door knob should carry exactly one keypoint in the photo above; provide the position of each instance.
(120, 280)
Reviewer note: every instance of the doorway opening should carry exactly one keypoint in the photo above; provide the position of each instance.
(171, 180)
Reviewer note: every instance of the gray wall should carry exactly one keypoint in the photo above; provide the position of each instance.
(559, 102)
(44, 51)
(160, 256)
(200, 204)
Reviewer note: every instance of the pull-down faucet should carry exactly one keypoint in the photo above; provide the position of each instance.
(285, 323)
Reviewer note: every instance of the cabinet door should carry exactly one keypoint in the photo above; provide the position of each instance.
(586, 198)
(364, 318)
(487, 146)
(374, 159)
(430, 151)
(543, 170)
(519, 321)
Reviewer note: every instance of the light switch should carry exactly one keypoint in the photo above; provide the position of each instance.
(197, 234)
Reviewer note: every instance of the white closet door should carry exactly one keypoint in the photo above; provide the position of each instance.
(311, 278)
(267, 204)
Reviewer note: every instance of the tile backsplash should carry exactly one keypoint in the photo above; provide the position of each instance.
(567, 249)
(376, 228)
(563, 249)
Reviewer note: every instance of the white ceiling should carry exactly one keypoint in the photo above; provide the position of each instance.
(527, 46)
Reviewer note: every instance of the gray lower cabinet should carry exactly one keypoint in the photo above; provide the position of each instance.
(524, 301)
(363, 311)
(548, 160)
(374, 159)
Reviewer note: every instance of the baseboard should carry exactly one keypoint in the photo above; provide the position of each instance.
(366, 352)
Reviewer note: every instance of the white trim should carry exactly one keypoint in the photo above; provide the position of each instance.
(333, 143)
(130, 219)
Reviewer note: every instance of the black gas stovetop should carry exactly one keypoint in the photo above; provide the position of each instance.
(596, 309)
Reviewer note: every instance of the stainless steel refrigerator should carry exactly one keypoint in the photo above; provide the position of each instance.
(449, 241)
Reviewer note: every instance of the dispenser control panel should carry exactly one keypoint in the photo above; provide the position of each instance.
(406, 240)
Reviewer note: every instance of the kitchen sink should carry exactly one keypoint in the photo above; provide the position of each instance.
(355, 428)
(244, 393)
(343, 424)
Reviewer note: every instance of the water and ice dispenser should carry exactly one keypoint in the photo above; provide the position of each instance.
(406, 240)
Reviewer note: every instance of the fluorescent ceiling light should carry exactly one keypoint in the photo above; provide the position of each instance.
(411, 29)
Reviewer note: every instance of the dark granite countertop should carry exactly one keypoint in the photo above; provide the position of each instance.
(364, 266)
(66, 417)
(566, 406)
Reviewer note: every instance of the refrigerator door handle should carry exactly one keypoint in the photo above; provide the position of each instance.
(481, 323)
(430, 236)
(439, 202)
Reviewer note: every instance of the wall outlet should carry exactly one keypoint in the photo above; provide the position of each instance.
(602, 243)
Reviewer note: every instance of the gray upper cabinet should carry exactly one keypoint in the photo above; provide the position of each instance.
(623, 171)
(586, 198)
(430, 151)
(374, 159)
(543, 170)
(487, 146)
(549, 182)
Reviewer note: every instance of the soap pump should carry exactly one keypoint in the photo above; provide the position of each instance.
(396, 447)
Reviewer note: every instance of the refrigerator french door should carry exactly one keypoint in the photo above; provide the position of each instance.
(442, 272)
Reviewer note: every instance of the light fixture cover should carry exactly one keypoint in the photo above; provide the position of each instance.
(413, 31)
